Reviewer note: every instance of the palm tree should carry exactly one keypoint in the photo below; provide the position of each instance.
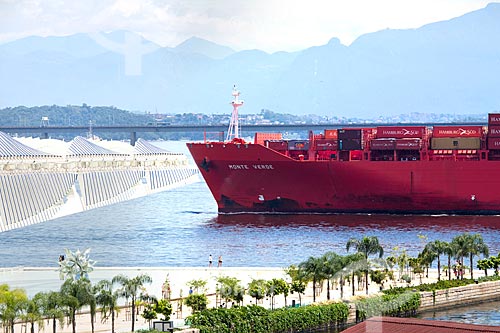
(346, 269)
(449, 250)
(332, 264)
(436, 248)
(107, 298)
(461, 247)
(130, 288)
(312, 270)
(298, 284)
(76, 294)
(367, 246)
(34, 312)
(476, 247)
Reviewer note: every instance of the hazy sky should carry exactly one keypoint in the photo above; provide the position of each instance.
(269, 25)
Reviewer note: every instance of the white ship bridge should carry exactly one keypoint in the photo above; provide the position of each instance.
(43, 179)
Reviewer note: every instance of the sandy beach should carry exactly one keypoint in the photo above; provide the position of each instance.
(36, 279)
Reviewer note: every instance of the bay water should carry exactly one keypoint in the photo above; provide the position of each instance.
(181, 227)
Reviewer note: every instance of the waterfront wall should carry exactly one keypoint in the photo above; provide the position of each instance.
(459, 296)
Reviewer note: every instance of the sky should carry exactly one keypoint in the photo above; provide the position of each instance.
(268, 25)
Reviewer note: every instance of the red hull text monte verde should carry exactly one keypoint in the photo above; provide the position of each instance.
(386, 169)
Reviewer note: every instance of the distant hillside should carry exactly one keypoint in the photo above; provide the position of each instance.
(200, 46)
(445, 67)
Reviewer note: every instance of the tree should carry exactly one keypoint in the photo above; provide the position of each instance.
(76, 294)
(312, 270)
(449, 250)
(351, 265)
(257, 289)
(197, 285)
(332, 264)
(436, 249)
(149, 313)
(476, 246)
(197, 302)
(34, 311)
(484, 264)
(230, 289)
(12, 303)
(164, 308)
(378, 277)
(298, 284)
(107, 299)
(368, 246)
(130, 289)
(495, 263)
(52, 305)
(277, 287)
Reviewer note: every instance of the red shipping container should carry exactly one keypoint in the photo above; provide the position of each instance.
(457, 131)
(326, 144)
(383, 144)
(494, 131)
(400, 132)
(494, 119)
(408, 144)
(261, 137)
(494, 143)
(331, 134)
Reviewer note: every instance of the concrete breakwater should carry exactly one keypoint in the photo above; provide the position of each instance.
(459, 296)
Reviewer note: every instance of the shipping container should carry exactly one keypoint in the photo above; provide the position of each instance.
(350, 144)
(298, 145)
(261, 137)
(276, 145)
(457, 131)
(455, 143)
(408, 144)
(326, 144)
(494, 143)
(494, 119)
(400, 132)
(344, 134)
(494, 131)
(331, 134)
(383, 144)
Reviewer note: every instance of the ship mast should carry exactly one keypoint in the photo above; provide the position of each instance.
(233, 131)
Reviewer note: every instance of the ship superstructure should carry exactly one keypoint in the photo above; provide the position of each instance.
(37, 186)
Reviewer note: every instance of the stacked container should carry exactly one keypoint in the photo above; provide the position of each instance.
(349, 139)
(456, 137)
(494, 131)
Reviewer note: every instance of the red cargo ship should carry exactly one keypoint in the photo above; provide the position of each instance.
(386, 169)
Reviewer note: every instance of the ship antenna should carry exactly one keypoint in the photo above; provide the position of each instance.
(234, 129)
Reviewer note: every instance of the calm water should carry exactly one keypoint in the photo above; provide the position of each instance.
(482, 314)
(181, 228)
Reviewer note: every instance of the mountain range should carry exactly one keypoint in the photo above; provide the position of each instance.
(445, 67)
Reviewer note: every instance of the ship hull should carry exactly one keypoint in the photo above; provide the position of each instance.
(253, 178)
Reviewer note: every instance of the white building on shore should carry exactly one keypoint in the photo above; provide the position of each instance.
(45, 179)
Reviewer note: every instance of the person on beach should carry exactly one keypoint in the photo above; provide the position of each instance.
(219, 264)
(210, 261)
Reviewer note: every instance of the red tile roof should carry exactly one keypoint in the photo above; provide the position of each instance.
(413, 325)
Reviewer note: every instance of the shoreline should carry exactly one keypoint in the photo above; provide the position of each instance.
(47, 278)
(36, 279)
